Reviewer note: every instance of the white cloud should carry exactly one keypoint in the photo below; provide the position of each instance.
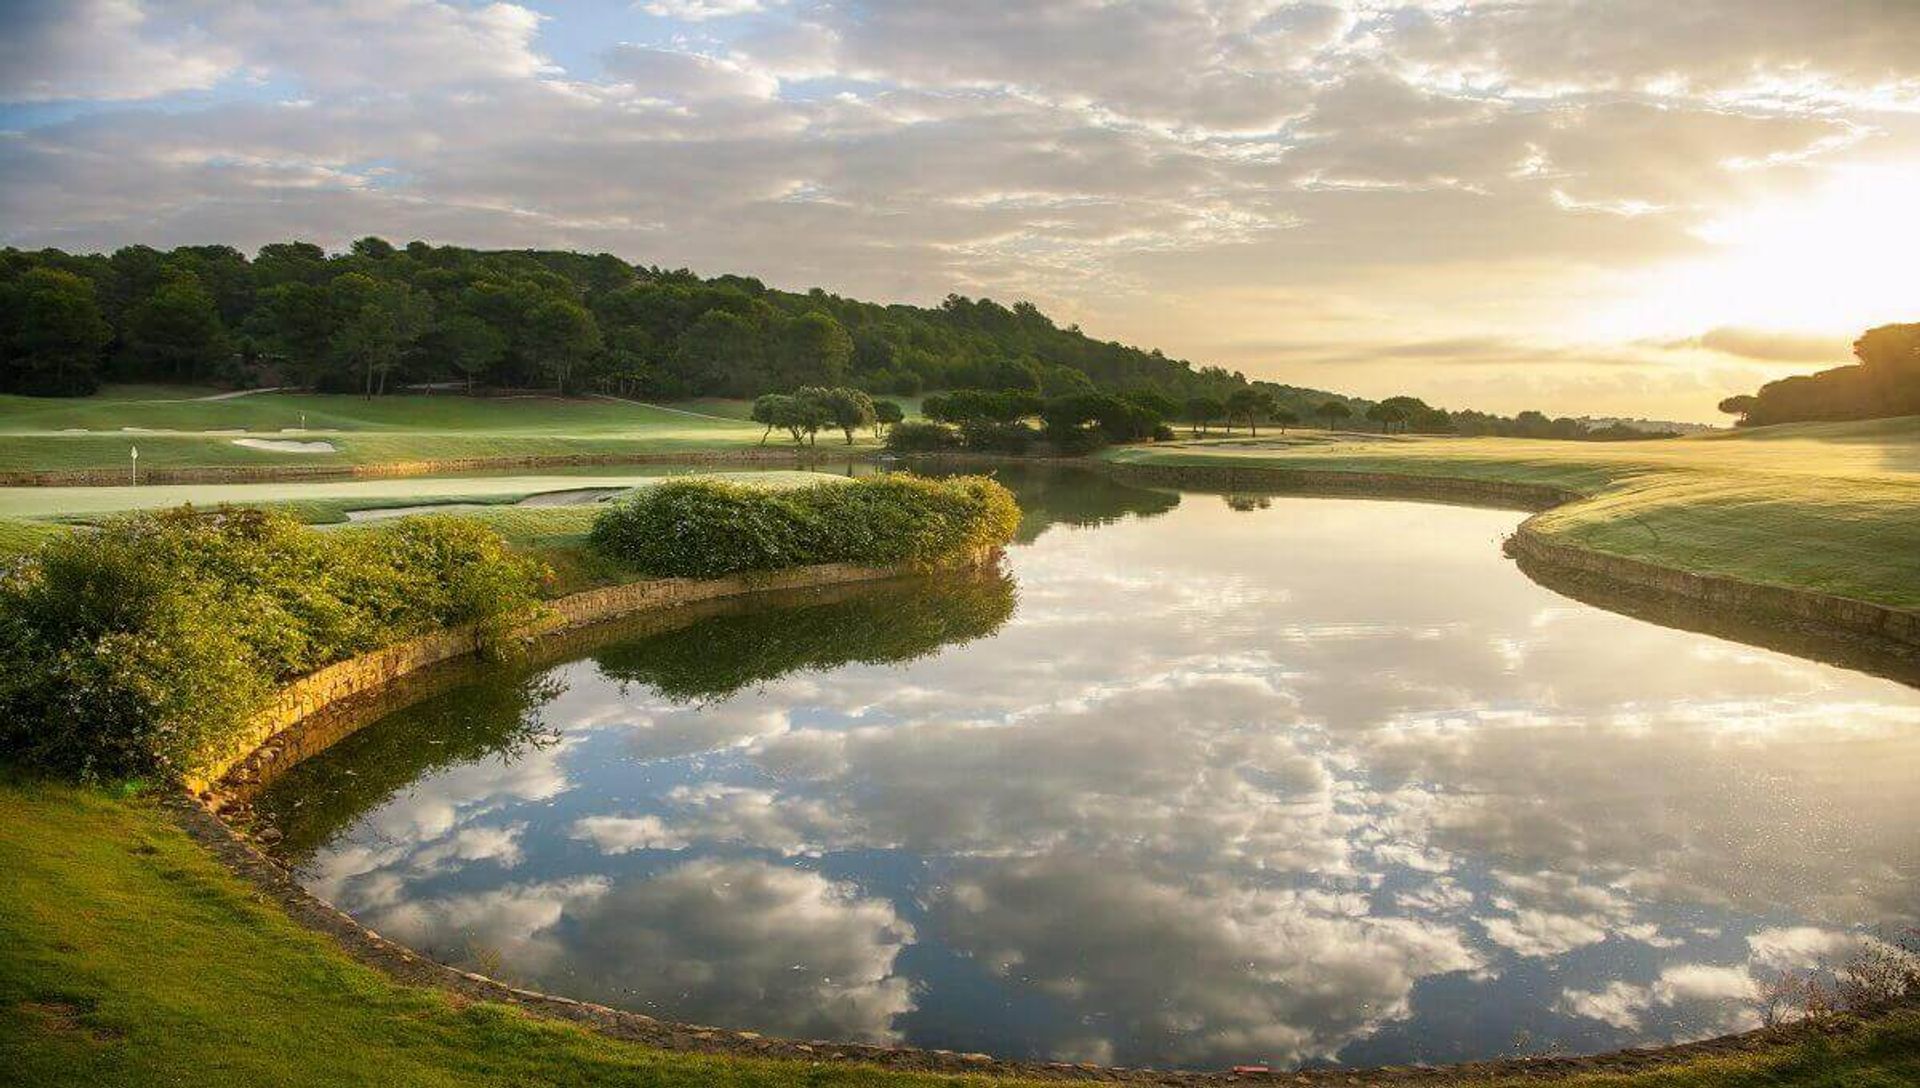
(104, 49)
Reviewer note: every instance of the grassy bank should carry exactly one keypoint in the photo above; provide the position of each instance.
(129, 957)
(1831, 507)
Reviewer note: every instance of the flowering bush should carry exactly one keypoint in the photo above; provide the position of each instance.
(141, 648)
(708, 528)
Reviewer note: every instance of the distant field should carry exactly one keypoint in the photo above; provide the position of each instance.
(29, 515)
(1830, 506)
(96, 433)
(328, 500)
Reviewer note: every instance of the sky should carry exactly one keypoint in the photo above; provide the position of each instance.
(1633, 207)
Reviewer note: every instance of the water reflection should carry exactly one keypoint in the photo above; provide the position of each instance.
(1320, 780)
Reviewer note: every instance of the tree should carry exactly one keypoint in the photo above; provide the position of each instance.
(54, 335)
(381, 321)
(1283, 418)
(1386, 415)
(886, 413)
(469, 345)
(561, 334)
(176, 331)
(848, 409)
(1333, 411)
(809, 413)
(717, 344)
(1251, 404)
(773, 410)
(1204, 410)
(813, 349)
(1741, 405)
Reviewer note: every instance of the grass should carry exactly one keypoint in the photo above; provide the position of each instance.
(1833, 507)
(128, 956)
(94, 433)
(557, 535)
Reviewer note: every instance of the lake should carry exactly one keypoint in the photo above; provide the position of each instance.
(1196, 780)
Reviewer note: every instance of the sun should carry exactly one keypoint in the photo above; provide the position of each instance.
(1833, 262)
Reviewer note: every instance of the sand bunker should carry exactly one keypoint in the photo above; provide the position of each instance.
(285, 445)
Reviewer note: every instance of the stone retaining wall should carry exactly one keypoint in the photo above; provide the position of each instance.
(1844, 614)
(307, 696)
(1306, 481)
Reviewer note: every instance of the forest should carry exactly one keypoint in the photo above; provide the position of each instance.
(378, 318)
(1885, 382)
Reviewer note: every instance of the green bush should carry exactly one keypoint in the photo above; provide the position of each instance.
(142, 648)
(708, 528)
(919, 437)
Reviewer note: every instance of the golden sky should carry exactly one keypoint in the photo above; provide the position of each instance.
(1630, 207)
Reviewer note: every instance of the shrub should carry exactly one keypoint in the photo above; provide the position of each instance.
(143, 648)
(990, 437)
(918, 437)
(708, 528)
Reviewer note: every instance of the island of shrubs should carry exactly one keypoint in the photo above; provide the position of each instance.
(708, 528)
(143, 648)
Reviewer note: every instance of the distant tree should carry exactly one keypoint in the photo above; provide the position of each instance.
(1161, 405)
(1283, 418)
(1387, 416)
(1251, 404)
(1058, 381)
(773, 410)
(469, 345)
(886, 413)
(848, 409)
(812, 411)
(176, 331)
(53, 334)
(381, 320)
(1333, 411)
(561, 335)
(814, 349)
(1202, 411)
(1740, 405)
(719, 344)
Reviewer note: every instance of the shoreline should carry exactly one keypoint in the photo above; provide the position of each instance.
(312, 713)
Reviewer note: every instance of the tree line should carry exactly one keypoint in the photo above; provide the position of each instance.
(1885, 382)
(378, 318)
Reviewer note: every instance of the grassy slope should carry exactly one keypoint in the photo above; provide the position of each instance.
(1833, 506)
(43, 433)
(129, 957)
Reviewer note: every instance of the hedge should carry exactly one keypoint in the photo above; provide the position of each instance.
(708, 528)
(138, 649)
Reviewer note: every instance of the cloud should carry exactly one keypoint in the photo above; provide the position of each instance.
(1208, 974)
(747, 943)
(695, 11)
(127, 49)
(1139, 168)
(1769, 346)
(671, 74)
(104, 49)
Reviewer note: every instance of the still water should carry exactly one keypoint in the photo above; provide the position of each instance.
(1192, 782)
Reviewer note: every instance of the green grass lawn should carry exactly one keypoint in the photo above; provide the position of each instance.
(1833, 506)
(128, 956)
(94, 433)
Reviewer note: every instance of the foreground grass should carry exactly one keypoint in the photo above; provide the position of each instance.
(129, 957)
(1833, 507)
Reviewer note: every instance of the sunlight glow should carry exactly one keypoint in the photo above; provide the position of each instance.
(1835, 261)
